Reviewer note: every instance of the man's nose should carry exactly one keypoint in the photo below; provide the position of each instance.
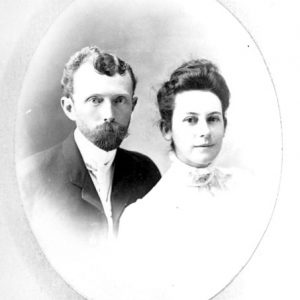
(107, 111)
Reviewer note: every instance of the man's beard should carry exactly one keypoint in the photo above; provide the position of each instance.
(107, 136)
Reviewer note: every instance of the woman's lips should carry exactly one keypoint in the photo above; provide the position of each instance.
(204, 146)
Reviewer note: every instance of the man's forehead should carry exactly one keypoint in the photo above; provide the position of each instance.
(88, 78)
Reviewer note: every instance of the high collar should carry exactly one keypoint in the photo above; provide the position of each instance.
(208, 177)
(178, 164)
(95, 158)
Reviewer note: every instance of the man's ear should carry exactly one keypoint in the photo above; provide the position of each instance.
(165, 130)
(67, 105)
(134, 102)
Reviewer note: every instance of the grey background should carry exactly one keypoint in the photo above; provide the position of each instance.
(274, 27)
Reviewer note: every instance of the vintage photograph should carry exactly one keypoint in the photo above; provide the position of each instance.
(148, 149)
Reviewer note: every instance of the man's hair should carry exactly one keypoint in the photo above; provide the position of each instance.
(192, 75)
(104, 63)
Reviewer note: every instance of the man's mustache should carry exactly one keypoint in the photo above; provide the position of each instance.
(110, 127)
(108, 136)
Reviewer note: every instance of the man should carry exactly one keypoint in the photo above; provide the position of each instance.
(76, 191)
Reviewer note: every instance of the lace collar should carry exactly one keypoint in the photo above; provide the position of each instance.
(208, 177)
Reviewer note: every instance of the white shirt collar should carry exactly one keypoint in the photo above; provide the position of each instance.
(95, 158)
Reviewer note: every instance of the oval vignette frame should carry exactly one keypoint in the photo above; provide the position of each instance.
(31, 240)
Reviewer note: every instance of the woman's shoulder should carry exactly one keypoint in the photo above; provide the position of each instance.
(236, 174)
(244, 185)
(145, 210)
(238, 183)
(141, 207)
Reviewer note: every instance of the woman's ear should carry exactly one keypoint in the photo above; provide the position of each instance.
(67, 105)
(165, 130)
(225, 121)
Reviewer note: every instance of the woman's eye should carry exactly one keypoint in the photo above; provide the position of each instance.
(213, 119)
(191, 120)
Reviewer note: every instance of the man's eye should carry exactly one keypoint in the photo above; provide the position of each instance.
(191, 120)
(120, 100)
(95, 100)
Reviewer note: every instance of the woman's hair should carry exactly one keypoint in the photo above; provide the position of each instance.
(192, 75)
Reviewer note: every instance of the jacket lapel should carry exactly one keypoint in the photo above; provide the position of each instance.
(90, 194)
(122, 185)
(78, 173)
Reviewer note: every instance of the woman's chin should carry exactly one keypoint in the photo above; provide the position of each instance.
(197, 159)
(200, 163)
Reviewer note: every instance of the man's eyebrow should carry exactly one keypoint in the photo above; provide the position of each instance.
(121, 94)
(109, 94)
(95, 95)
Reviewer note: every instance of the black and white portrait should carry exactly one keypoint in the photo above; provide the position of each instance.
(147, 149)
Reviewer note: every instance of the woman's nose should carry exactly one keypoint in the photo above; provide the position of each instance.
(107, 111)
(203, 129)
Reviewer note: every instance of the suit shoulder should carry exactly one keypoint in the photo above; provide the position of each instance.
(137, 156)
(40, 162)
(139, 159)
(139, 166)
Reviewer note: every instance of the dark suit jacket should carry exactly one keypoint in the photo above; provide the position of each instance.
(59, 195)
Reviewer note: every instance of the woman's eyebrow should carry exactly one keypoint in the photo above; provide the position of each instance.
(209, 114)
(192, 113)
(215, 113)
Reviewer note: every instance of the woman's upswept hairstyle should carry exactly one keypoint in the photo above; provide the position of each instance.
(199, 74)
(104, 63)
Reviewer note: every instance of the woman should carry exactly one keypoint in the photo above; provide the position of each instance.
(199, 225)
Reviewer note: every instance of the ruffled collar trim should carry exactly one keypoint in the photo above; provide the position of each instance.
(208, 177)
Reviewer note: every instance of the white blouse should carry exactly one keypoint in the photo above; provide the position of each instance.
(194, 231)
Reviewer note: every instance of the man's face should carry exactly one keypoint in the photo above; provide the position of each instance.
(101, 106)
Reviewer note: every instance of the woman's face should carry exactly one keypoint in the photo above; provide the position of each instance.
(197, 127)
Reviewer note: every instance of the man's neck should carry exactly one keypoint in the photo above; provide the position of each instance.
(91, 154)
